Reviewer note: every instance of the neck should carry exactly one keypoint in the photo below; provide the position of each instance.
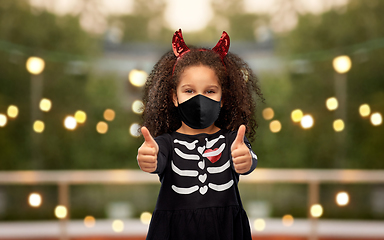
(184, 129)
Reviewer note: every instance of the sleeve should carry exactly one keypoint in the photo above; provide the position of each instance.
(254, 157)
(164, 144)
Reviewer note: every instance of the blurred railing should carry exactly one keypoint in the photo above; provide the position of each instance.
(303, 176)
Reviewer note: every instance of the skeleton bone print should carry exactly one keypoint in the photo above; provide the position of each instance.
(210, 150)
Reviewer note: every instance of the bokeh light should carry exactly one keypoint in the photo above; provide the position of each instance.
(134, 130)
(342, 64)
(316, 210)
(109, 114)
(376, 119)
(275, 126)
(12, 111)
(364, 110)
(80, 116)
(137, 77)
(287, 220)
(268, 113)
(35, 65)
(338, 125)
(307, 121)
(297, 115)
(342, 198)
(61, 212)
(138, 107)
(38, 126)
(259, 224)
(145, 217)
(332, 103)
(34, 199)
(118, 226)
(3, 120)
(102, 127)
(89, 221)
(70, 123)
(45, 105)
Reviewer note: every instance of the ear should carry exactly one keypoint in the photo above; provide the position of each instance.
(174, 97)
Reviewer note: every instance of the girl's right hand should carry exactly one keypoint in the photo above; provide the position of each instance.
(147, 153)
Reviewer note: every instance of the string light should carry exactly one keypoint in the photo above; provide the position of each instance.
(38, 126)
(259, 224)
(80, 116)
(12, 111)
(102, 127)
(137, 77)
(307, 121)
(342, 64)
(89, 221)
(275, 126)
(118, 226)
(145, 218)
(268, 113)
(332, 103)
(138, 107)
(34, 199)
(61, 212)
(376, 119)
(3, 120)
(70, 123)
(364, 110)
(316, 210)
(35, 65)
(134, 130)
(338, 125)
(109, 114)
(296, 115)
(45, 105)
(287, 220)
(342, 198)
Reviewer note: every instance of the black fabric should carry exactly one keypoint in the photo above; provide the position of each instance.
(199, 197)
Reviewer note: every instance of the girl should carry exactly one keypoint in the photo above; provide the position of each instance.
(199, 103)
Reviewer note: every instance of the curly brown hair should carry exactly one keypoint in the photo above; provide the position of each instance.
(238, 83)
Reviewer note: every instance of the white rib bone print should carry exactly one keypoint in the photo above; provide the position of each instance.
(201, 164)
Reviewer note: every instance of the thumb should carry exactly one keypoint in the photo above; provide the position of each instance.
(240, 137)
(148, 137)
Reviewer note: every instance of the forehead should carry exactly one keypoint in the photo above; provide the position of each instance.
(198, 75)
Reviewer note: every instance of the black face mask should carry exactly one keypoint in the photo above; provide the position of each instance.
(199, 112)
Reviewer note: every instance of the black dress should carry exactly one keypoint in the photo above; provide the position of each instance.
(199, 197)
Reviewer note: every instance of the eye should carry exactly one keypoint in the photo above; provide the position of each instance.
(210, 91)
(188, 91)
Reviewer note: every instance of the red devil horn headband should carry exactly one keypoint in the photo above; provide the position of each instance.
(179, 46)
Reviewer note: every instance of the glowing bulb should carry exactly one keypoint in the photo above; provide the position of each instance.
(35, 65)
(134, 130)
(80, 116)
(138, 107)
(275, 126)
(296, 115)
(137, 77)
(259, 224)
(12, 111)
(332, 103)
(342, 64)
(3, 120)
(364, 110)
(338, 125)
(38, 126)
(102, 127)
(145, 217)
(109, 115)
(34, 199)
(287, 220)
(61, 212)
(307, 121)
(89, 221)
(45, 105)
(342, 198)
(268, 113)
(316, 210)
(118, 226)
(70, 123)
(376, 119)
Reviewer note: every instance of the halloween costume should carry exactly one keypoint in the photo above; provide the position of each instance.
(199, 197)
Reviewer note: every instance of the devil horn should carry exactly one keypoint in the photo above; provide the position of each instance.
(178, 44)
(222, 45)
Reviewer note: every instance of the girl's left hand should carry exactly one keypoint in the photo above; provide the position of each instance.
(241, 156)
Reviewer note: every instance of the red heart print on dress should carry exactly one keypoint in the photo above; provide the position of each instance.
(213, 159)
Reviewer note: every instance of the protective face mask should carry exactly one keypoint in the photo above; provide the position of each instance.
(199, 112)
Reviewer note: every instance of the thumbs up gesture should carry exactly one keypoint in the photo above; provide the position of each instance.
(147, 153)
(241, 156)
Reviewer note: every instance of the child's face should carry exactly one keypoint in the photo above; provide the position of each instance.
(197, 80)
